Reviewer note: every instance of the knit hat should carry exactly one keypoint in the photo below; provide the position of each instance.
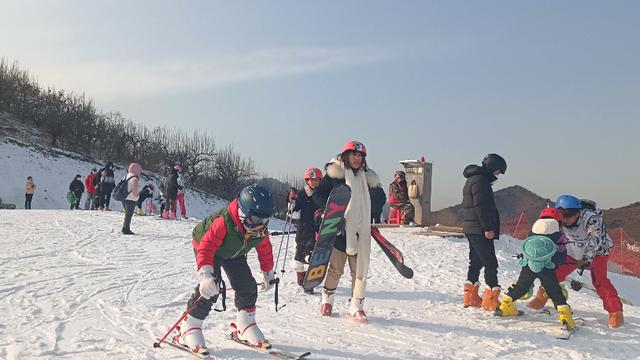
(545, 227)
(537, 251)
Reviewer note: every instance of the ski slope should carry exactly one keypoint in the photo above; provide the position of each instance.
(72, 287)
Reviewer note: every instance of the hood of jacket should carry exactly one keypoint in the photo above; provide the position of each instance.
(472, 170)
(135, 169)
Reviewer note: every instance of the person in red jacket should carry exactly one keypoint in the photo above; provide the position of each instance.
(223, 240)
(90, 203)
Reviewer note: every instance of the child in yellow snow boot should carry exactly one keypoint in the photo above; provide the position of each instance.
(538, 250)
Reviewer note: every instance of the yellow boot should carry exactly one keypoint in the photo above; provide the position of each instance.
(540, 300)
(471, 297)
(566, 316)
(507, 307)
(490, 300)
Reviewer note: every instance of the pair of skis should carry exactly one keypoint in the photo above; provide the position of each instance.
(271, 351)
(333, 223)
(563, 332)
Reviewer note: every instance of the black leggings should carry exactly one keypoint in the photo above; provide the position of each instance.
(27, 200)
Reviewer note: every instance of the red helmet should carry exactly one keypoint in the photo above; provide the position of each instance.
(552, 213)
(313, 173)
(353, 145)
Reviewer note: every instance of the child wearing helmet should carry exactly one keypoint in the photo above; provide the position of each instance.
(223, 240)
(588, 247)
(354, 244)
(306, 233)
(481, 226)
(541, 255)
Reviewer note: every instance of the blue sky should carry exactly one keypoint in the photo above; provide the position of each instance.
(552, 86)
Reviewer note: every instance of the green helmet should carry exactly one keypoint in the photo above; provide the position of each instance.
(537, 251)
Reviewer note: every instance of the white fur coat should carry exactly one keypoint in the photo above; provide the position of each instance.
(357, 218)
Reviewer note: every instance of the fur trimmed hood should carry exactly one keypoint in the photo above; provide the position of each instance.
(334, 170)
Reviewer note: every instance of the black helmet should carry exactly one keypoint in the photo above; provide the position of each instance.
(256, 200)
(495, 162)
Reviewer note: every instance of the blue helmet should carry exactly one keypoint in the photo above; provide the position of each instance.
(257, 201)
(568, 202)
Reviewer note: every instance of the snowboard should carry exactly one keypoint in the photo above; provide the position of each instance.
(332, 224)
(392, 252)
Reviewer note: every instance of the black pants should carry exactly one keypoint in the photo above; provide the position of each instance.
(129, 206)
(240, 279)
(482, 253)
(141, 199)
(305, 241)
(27, 200)
(549, 283)
(104, 199)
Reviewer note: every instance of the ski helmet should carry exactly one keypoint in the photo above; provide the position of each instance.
(313, 173)
(353, 145)
(568, 202)
(551, 213)
(256, 201)
(495, 162)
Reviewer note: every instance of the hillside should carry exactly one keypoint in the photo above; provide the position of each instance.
(76, 289)
(511, 201)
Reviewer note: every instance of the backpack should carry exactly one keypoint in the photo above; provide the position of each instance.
(121, 191)
(413, 190)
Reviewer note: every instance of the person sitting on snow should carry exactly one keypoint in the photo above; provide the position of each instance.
(588, 247)
(223, 240)
(541, 254)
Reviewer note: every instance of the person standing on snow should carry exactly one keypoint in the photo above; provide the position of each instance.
(107, 183)
(90, 203)
(171, 187)
(223, 240)
(481, 227)
(133, 187)
(588, 247)
(306, 233)
(77, 188)
(180, 196)
(399, 197)
(29, 190)
(542, 252)
(354, 244)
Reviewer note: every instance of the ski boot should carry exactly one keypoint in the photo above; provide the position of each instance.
(139, 212)
(165, 214)
(246, 329)
(616, 319)
(328, 296)
(471, 297)
(356, 310)
(565, 315)
(190, 335)
(507, 307)
(490, 300)
(171, 215)
(540, 300)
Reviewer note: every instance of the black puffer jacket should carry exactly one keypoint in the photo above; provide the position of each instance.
(307, 208)
(480, 213)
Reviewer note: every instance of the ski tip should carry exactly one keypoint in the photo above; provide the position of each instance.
(308, 353)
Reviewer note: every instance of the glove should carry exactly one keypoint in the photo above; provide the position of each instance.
(268, 280)
(208, 287)
(293, 194)
(582, 264)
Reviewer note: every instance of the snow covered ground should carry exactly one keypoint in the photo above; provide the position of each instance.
(72, 287)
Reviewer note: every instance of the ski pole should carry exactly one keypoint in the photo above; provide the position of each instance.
(287, 221)
(286, 248)
(157, 344)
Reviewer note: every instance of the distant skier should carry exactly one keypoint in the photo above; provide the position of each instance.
(171, 187)
(587, 248)
(349, 167)
(107, 183)
(180, 196)
(29, 190)
(399, 197)
(306, 232)
(542, 252)
(90, 203)
(77, 188)
(132, 178)
(145, 193)
(223, 240)
(481, 226)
